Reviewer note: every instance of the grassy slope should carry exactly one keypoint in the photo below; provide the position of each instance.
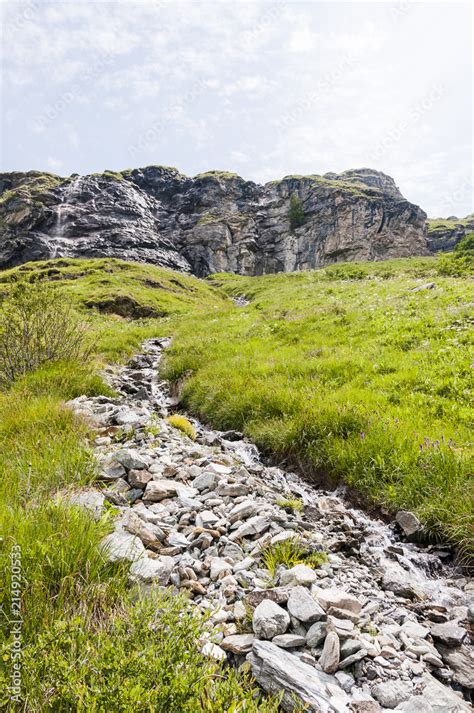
(344, 369)
(87, 642)
(350, 373)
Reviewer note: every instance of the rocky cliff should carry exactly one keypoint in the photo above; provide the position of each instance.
(213, 222)
(445, 234)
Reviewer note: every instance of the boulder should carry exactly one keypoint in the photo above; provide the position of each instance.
(280, 672)
(302, 606)
(269, 620)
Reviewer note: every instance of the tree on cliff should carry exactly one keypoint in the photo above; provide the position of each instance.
(296, 213)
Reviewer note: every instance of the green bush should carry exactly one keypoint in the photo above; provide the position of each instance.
(38, 325)
(296, 213)
(143, 657)
(465, 246)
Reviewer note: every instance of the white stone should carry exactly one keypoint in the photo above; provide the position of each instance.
(299, 574)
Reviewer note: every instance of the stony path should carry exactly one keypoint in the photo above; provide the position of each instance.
(381, 625)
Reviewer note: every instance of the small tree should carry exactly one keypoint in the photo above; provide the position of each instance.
(296, 214)
(37, 325)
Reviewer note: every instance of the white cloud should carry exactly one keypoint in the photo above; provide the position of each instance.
(272, 88)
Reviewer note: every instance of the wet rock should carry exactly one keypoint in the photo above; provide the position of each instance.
(409, 524)
(269, 620)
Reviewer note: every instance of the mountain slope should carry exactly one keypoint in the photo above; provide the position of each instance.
(213, 222)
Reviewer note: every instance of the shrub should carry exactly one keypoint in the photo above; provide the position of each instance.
(144, 658)
(290, 552)
(38, 325)
(296, 213)
(293, 504)
(183, 424)
(465, 246)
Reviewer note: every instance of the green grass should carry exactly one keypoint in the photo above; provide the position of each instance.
(89, 642)
(344, 371)
(289, 553)
(351, 375)
(183, 425)
(440, 225)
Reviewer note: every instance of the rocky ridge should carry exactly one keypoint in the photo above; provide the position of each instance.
(213, 222)
(381, 625)
(445, 234)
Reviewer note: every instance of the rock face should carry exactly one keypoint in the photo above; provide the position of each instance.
(445, 234)
(213, 222)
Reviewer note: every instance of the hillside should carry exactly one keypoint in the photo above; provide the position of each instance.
(214, 222)
(355, 374)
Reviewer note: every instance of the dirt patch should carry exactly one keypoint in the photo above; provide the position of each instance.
(124, 307)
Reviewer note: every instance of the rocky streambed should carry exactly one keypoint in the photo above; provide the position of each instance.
(380, 625)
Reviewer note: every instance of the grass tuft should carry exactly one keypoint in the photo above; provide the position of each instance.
(182, 424)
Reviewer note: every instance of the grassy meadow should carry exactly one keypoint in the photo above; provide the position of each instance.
(89, 642)
(350, 373)
(346, 371)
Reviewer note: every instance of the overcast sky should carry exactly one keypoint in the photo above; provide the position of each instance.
(264, 89)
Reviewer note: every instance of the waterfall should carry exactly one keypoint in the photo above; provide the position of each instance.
(60, 242)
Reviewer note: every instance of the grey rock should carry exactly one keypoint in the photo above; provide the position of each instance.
(391, 693)
(238, 643)
(160, 216)
(461, 661)
(269, 620)
(337, 598)
(416, 704)
(441, 698)
(121, 545)
(300, 574)
(130, 459)
(449, 634)
(278, 671)
(408, 521)
(289, 641)
(303, 607)
(205, 481)
(330, 655)
(316, 634)
(254, 526)
(353, 658)
(156, 570)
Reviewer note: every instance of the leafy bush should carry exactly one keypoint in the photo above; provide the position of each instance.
(465, 246)
(143, 657)
(182, 424)
(296, 213)
(38, 325)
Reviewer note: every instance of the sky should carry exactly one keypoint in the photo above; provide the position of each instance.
(262, 88)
